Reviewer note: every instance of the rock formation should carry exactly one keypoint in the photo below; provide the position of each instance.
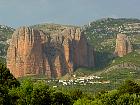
(123, 45)
(33, 52)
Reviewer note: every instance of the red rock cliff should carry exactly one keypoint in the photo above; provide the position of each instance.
(31, 52)
(123, 45)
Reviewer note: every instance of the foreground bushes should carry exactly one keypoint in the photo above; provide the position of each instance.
(127, 94)
(38, 93)
(7, 81)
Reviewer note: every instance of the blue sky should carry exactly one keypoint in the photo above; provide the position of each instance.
(16, 13)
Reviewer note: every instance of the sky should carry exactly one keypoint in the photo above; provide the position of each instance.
(16, 13)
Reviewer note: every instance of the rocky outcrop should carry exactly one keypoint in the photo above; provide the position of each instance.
(32, 52)
(123, 45)
(25, 54)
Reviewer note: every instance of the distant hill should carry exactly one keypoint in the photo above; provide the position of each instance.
(102, 35)
(103, 32)
(51, 27)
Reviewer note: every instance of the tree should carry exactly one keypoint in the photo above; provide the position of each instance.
(41, 94)
(129, 87)
(76, 94)
(22, 95)
(61, 99)
(4, 96)
(83, 101)
(7, 81)
(6, 78)
(125, 99)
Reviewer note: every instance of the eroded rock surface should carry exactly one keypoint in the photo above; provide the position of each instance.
(123, 45)
(32, 52)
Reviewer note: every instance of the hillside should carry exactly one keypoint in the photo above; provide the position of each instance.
(112, 76)
(5, 35)
(105, 31)
(51, 27)
(102, 34)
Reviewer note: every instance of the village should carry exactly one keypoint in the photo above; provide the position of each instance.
(83, 80)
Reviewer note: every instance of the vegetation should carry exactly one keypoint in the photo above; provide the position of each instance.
(127, 94)
(6, 78)
(7, 81)
(5, 34)
(29, 92)
(51, 28)
(102, 35)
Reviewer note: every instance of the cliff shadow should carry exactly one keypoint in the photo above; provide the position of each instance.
(54, 53)
(103, 59)
(136, 46)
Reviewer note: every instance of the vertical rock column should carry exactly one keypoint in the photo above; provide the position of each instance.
(123, 45)
(24, 55)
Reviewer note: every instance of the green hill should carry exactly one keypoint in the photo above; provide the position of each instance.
(5, 35)
(119, 70)
(102, 35)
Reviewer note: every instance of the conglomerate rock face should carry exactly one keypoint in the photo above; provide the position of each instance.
(32, 52)
(123, 45)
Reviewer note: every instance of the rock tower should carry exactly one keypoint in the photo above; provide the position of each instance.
(33, 52)
(123, 45)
